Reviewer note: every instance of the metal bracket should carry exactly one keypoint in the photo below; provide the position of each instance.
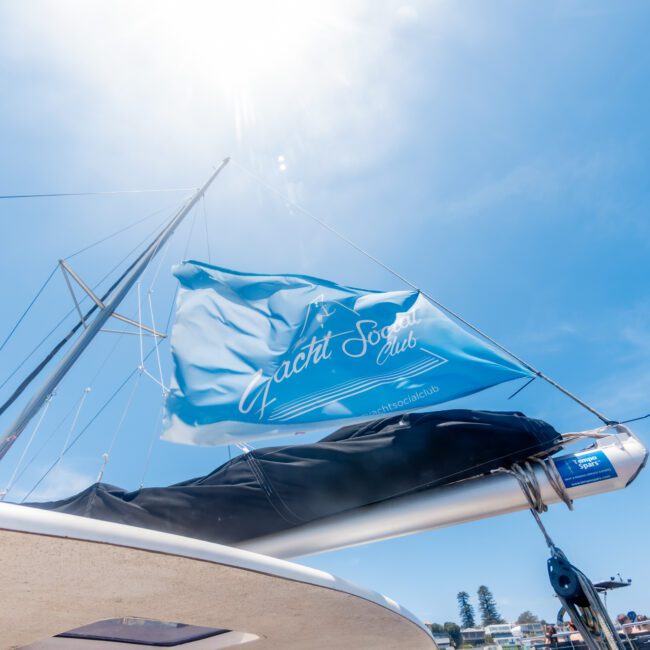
(68, 273)
(124, 319)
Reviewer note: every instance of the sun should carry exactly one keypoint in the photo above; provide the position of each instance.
(247, 43)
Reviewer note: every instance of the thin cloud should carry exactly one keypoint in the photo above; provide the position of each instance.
(62, 482)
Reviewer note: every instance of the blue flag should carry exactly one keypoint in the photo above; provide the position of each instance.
(263, 355)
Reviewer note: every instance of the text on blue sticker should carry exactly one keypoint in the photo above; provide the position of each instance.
(586, 467)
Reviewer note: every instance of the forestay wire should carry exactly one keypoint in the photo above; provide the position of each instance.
(431, 299)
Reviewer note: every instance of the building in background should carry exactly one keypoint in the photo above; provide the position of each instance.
(474, 636)
(501, 634)
(527, 630)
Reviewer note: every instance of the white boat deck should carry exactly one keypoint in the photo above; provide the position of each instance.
(60, 572)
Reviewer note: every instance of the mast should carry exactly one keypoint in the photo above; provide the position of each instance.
(105, 312)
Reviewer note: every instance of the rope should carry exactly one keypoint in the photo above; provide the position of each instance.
(597, 433)
(527, 479)
(555, 480)
(408, 282)
(110, 192)
(525, 475)
(31, 304)
(531, 492)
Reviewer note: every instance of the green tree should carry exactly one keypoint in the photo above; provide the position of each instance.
(466, 610)
(488, 607)
(527, 617)
(453, 630)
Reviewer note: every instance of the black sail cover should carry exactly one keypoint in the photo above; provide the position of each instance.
(275, 488)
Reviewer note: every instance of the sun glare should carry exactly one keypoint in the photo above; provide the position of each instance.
(257, 54)
(250, 41)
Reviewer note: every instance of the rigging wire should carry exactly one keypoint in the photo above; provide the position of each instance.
(122, 230)
(147, 461)
(207, 234)
(143, 368)
(115, 393)
(68, 446)
(106, 193)
(107, 454)
(160, 263)
(6, 491)
(157, 346)
(85, 297)
(431, 299)
(152, 441)
(642, 417)
(171, 312)
(74, 422)
(31, 304)
(86, 427)
(141, 342)
(35, 372)
(110, 355)
(122, 286)
(189, 237)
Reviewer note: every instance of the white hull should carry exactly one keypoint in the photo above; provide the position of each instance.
(60, 572)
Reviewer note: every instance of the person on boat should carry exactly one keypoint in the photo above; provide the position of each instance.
(574, 634)
(626, 624)
(643, 623)
(550, 636)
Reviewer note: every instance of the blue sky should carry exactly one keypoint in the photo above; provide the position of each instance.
(494, 153)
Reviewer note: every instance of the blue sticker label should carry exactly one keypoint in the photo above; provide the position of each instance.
(586, 467)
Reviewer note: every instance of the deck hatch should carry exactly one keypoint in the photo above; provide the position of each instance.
(142, 631)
